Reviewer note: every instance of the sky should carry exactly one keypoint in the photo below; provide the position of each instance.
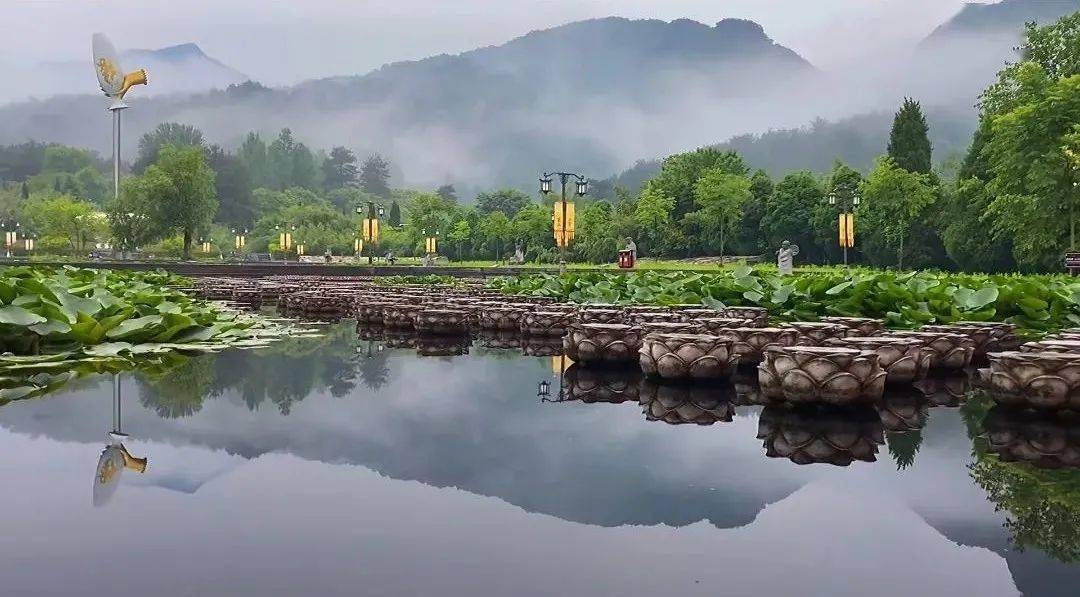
(280, 42)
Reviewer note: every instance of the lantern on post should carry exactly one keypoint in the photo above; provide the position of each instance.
(562, 217)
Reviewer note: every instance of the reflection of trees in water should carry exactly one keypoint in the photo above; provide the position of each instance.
(373, 369)
(178, 391)
(903, 446)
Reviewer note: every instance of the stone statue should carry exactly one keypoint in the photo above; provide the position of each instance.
(785, 257)
(519, 254)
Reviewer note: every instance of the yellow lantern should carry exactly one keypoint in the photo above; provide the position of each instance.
(563, 218)
(847, 230)
(371, 230)
(358, 246)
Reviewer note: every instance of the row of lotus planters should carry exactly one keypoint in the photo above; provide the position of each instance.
(839, 360)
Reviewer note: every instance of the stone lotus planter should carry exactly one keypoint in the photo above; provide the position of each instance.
(715, 324)
(370, 312)
(686, 404)
(600, 385)
(651, 317)
(699, 313)
(590, 315)
(826, 435)
(542, 346)
(545, 323)
(442, 321)
(687, 357)
(816, 333)
(400, 315)
(670, 327)
(758, 316)
(603, 343)
(982, 336)
(1003, 333)
(903, 359)
(1051, 345)
(815, 374)
(442, 345)
(858, 326)
(901, 412)
(948, 351)
(499, 318)
(1040, 380)
(1044, 440)
(500, 339)
(749, 343)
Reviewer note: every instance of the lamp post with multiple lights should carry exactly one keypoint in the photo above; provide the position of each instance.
(847, 202)
(369, 228)
(563, 213)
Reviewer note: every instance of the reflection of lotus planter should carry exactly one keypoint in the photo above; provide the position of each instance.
(545, 323)
(858, 326)
(687, 356)
(903, 411)
(749, 343)
(813, 374)
(600, 385)
(602, 343)
(758, 316)
(590, 315)
(830, 435)
(948, 351)
(500, 318)
(542, 346)
(944, 390)
(442, 345)
(442, 321)
(903, 359)
(399, 338)
(1042, 380)
(1044, 440)
(679, 404)
(499, 339)
(817, 333)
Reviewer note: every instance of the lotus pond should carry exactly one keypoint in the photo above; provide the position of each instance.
(370, 462)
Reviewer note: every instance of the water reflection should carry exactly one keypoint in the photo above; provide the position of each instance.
(821, 434)
(115, 458)
(678, 404)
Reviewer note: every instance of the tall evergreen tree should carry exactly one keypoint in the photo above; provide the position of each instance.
(909, 140)
(375, 176)
(25, 190)
(447, 192)
(339, 169)
(253, 153)
(394, 218)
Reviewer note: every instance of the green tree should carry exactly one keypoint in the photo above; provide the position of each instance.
(182, 185)
(597, 239)
(531, 226)
(495, 228)
(131, 216)
(508, 201)
(65, 219)
(394, 216)
(893, 200)
(253, 154)
(652, 221)
(748, 237)
(680, 172)
(61, 158)
(789, 212)
(375, 176)
(448, 193)
(339, 169)
(909, 140)
(458, 237)
(720, 197)
(232, 184)
(165, 134)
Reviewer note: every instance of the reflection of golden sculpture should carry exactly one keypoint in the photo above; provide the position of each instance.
(114, 459)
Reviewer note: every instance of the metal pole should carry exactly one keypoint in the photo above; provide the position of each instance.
(562, 242)
(116, 151)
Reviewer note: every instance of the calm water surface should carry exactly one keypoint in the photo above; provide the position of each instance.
(357, 467)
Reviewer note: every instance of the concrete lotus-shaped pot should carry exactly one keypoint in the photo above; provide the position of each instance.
(1040, 380)
(749, 343)
(816, 374)
(400, 315)
(601, 385)
(636, 318)
(370, 312)
(816, 333)
(903, 359)
(594, 315)
(399, 338)
(1004, 334)
(545, 323)
(858, 326)
(442, 321)
(948, 351)
(602, 343)
(500, 318)
(500, 339)
(715, 324)
(1044, 440)
(699, 313)
(1051, 345)
(758, 316)
(982, 336)
(670, 327)
(826, 435)
(687, 356)
(685, 404)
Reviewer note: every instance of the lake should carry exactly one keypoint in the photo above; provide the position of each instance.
(361, 464)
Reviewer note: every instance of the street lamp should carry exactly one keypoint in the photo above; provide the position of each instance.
(239, 238)
(563, 214)
(285, 239)
(369, 230)
(846, 220)
(430, 242)
(299, 250)
(10, 236)
(205, 245)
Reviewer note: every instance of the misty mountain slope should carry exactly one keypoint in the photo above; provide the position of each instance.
(962, 55)
(590, 96)
(857, 141)
(183, 68)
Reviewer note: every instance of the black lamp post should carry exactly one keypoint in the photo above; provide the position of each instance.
(563, 213)
(369, 232)
(846, 222)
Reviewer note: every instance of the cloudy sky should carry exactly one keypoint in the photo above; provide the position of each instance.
(281, 42)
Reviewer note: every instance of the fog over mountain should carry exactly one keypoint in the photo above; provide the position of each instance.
(594, 95)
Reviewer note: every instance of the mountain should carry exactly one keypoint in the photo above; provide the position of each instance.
(589, 96)
(959, 58)
(183, 68)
